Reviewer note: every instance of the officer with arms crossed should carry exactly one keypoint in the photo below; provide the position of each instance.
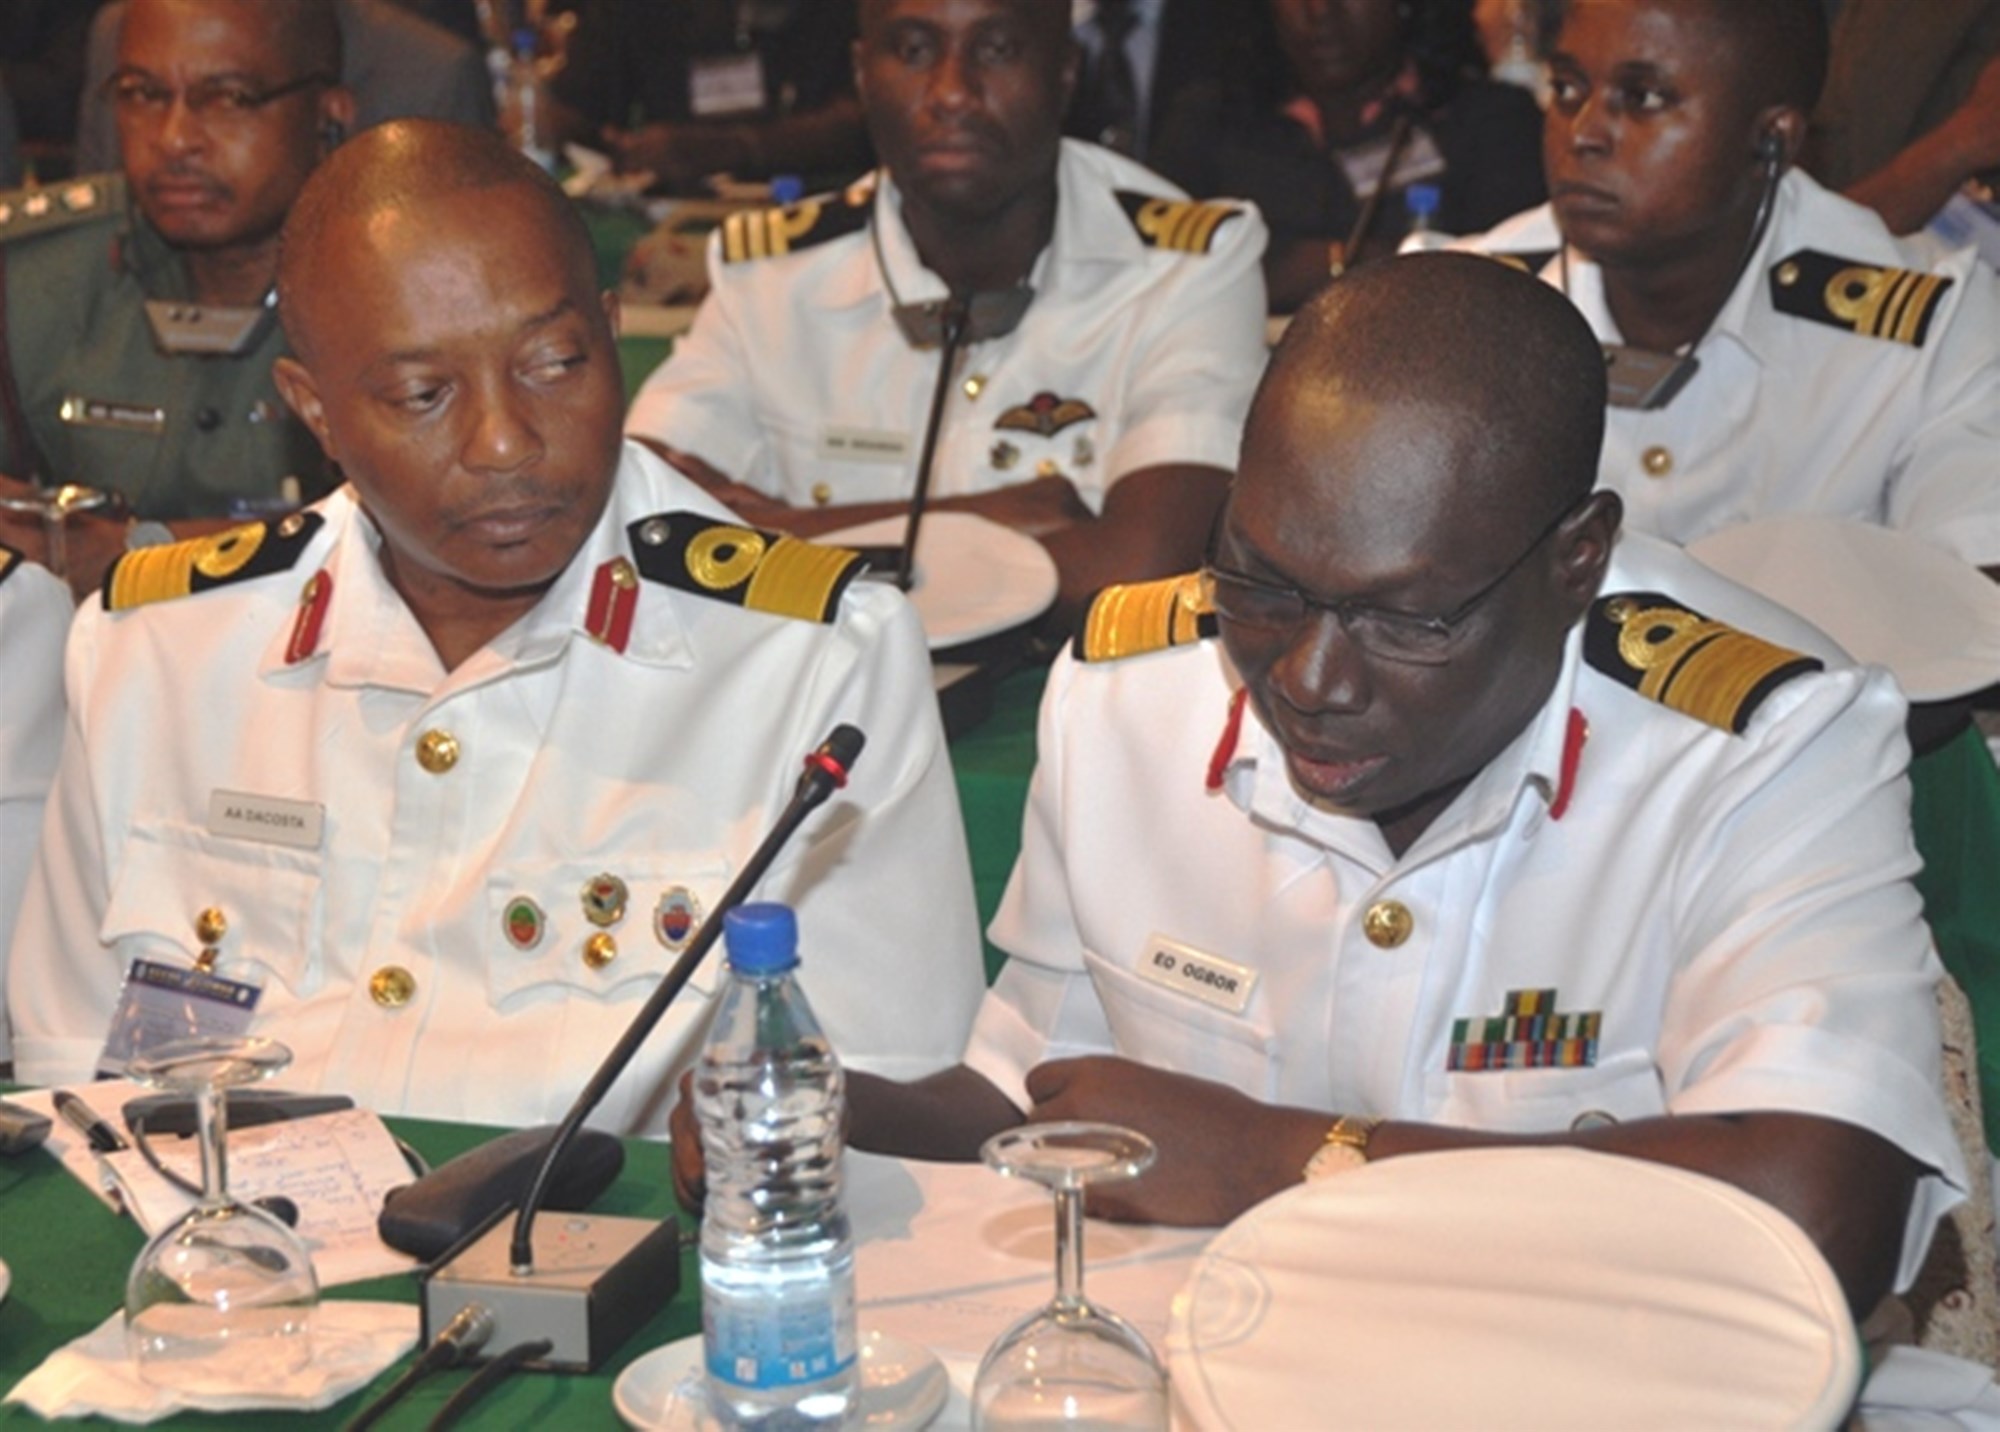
(483, 735)
(1465, 831)
(139, 329)
(1102, 419)
(1774, 349)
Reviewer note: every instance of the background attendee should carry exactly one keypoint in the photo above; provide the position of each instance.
(34, 620)
(1102, 418)
(42, 67)
(1834, 369)
(1450, 840)
(1911, 108)
(1138, 55)
(396, 64)
(515, 685)
(1377, 85)
(748, 87)
(138, 328)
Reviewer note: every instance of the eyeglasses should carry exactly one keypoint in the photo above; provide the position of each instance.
(221, 100)
(1380, 631)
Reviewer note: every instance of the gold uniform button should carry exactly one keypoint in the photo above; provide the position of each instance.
(1657, 461)
(1788, 274)
(211, 925)
(392, 986)
(974, 386)
(822, 494)
(600, 950)
(1387, 924)
(437, 751)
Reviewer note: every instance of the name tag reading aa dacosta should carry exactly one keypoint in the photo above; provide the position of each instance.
(864, 445)
(268, 820)
(1188, 971)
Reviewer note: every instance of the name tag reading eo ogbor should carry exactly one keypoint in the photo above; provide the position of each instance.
(1196, 974)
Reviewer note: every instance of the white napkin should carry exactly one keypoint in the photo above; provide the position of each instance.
(95, 1375)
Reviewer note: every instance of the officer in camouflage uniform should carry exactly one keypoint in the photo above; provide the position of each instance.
(139, 319)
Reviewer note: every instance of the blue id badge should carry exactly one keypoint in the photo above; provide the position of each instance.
(166, 1002)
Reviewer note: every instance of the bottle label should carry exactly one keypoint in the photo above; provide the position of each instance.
(771, 1340)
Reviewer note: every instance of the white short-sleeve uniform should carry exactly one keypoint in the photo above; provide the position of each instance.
(1790, 415)
(35, 612)
(1735, 912)
(662, 764)
(796, 381)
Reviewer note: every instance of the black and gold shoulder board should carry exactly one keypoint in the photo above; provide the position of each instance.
(764, 571)
(1891, 303)
(257, 549)
(1184, 225)
(772, 233)
(36, 211)
(1528, 261)
(1681, 659)
(1139, 617)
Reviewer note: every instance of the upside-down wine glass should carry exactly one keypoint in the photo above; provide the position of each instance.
(1072, 1364)
(222, 1298)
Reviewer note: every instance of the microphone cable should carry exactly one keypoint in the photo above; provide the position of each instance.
(486, 1379)
(462, 1337)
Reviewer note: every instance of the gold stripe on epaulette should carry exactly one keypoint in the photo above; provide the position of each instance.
(1139, 617)
(1702, 668)
(1182, 226)
(796, 578)
(768, 233)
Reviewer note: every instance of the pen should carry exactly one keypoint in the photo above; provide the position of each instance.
(86, 1121)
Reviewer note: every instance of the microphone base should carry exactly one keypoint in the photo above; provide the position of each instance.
(596, 1280)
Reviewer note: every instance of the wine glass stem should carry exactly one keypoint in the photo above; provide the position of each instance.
(1069, 1248)
(214, 1145)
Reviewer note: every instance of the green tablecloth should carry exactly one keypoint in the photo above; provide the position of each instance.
(69, 1255)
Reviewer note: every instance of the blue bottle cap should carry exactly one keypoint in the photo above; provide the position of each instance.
(1422, 199)
(787, 188)
(763, 939)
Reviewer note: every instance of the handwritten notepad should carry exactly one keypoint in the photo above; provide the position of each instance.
(336, 1167)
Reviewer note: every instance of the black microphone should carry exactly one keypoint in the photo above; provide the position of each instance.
(826, 771)
(956, 315)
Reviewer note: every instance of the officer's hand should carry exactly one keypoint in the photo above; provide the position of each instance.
(690, 1172)
(1037, 507)
(1220, 1151)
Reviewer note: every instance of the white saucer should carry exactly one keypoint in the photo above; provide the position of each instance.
(902, 1386)
(973, 576)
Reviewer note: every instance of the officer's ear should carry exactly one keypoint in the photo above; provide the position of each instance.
(1583, 546)
(612, 313)
(301, 395)
(336, 117)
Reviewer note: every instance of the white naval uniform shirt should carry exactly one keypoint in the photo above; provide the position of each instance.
(1736, 910)
(663, 766)
(35, 611)
(1788, 415)
(794, 364)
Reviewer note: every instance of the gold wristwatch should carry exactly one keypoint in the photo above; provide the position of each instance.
(1345, 1148)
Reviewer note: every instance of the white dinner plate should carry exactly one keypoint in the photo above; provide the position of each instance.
(903, 1386)
(1888, 597)
(973, 577)
(1553, 1288)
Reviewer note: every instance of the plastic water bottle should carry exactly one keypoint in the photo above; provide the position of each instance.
(1421, 202)
(524, 103)
(777, 1261)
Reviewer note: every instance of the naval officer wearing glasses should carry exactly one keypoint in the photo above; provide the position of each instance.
(138, 326)
(1423, 820)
